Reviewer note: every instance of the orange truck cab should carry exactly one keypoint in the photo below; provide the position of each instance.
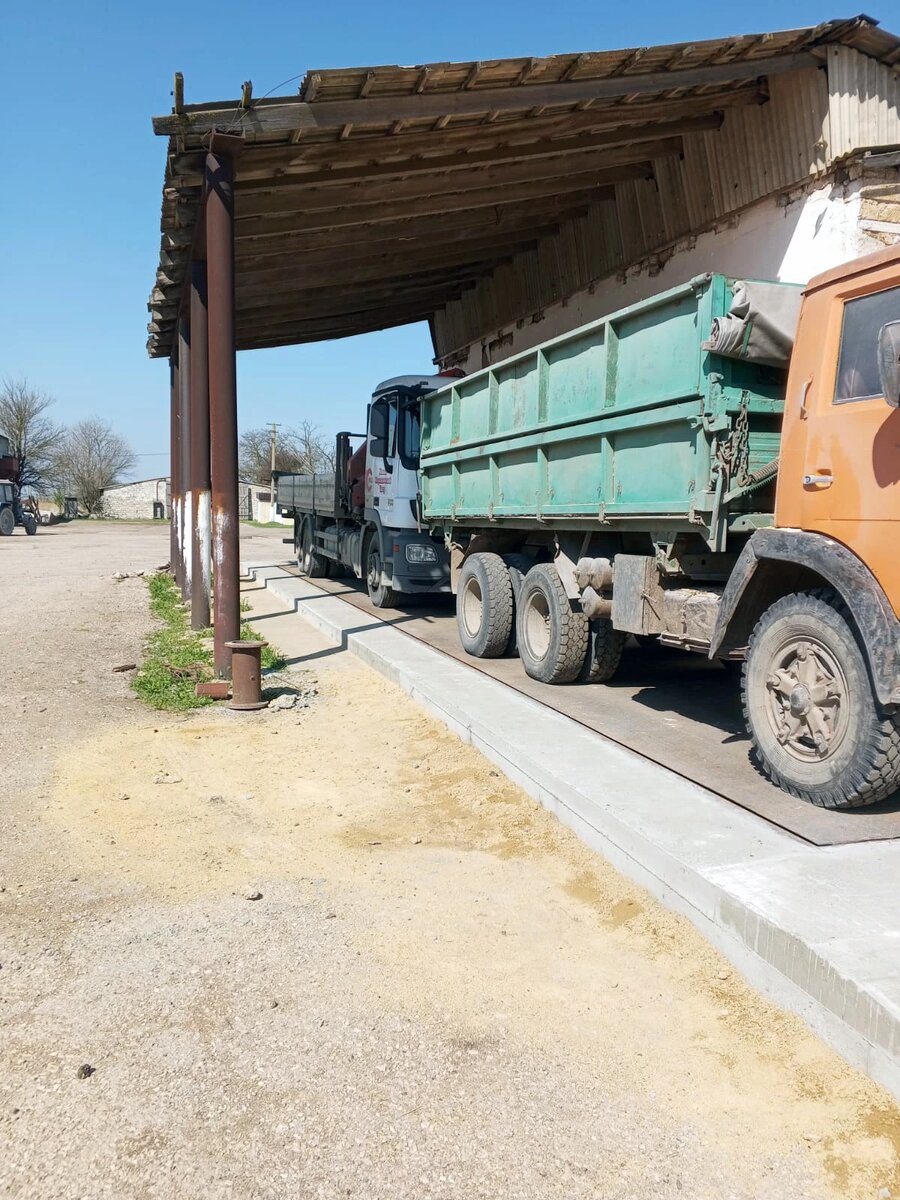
(813, 602)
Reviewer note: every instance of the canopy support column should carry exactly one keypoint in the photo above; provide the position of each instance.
(175, 471)
(200, 481)
(223, 405)
(184, 466)
(173, 464)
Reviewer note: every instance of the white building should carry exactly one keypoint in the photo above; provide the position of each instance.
(140, 499)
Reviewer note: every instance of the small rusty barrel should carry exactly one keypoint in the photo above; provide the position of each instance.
(245, 675)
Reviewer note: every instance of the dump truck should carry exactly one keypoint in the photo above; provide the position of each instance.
(715, 468)
(365, 515)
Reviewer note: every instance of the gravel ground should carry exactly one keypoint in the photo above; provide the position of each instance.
(439, 992)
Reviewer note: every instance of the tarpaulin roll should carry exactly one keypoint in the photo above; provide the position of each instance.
(760, 325)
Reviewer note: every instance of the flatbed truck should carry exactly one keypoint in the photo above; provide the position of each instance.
(687, 472)
(365, 516)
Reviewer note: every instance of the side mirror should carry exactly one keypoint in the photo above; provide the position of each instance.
(889, 362)
(378, 427)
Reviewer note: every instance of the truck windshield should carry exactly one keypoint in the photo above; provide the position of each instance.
(857, 376)
(410, 434)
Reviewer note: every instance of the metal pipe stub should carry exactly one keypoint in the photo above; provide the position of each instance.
(246, 672)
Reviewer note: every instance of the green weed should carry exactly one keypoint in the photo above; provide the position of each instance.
(176, 657)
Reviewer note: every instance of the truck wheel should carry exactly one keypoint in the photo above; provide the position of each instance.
(484, 605)
(815, 724)
(381, 594)
(312, 564)
(604, 650)
(7, 522)
(30, 524)
(551, 634)
(518, 566)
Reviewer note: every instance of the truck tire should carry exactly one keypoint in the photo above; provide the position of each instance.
(484, 605)
(518, 566)
(29, 522)
(310, 562)
(552, 635)
(381, 594)
(604, 651)
(816, 726)
(7, 522)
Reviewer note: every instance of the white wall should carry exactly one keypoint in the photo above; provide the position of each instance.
(781, 238)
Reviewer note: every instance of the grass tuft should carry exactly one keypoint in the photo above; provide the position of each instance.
(176, 657)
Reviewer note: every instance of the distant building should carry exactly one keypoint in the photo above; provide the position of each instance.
(146, 499)
(141, 499)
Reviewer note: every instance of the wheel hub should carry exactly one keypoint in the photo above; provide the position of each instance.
(806, 696)
(800, 701)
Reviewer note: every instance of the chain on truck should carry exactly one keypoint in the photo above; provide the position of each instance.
(716, 468)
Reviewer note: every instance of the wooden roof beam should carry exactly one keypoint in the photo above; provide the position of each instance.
(261, 158)
(297, 194)
(400, 272)
(411, 256)
(253, 178)
(448, 229)
(402, 310)
(581, 189)
(275, 116)
(327, 329)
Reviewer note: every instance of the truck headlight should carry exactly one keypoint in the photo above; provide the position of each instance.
(420, 554)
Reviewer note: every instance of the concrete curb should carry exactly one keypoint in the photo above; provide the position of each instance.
(817, 929)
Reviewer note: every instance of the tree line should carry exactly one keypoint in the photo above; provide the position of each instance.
(84, 459)
(78, 460)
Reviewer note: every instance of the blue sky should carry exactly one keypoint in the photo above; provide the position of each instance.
(82, 173)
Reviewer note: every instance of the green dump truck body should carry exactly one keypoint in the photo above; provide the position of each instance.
(625, 423)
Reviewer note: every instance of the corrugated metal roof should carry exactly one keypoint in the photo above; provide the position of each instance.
(382, 194)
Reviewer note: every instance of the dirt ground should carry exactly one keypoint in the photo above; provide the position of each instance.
(439, 992)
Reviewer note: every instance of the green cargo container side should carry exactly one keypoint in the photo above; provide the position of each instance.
(621, 423)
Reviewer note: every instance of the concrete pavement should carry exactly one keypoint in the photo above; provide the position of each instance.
(816, 928)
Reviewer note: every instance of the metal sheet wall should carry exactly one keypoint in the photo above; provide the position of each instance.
(864, 99)
(758, 151)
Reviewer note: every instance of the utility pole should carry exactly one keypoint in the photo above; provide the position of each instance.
(272, 472)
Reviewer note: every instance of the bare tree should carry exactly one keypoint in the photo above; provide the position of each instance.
(92, 457)
(300, 451)
(34, 436)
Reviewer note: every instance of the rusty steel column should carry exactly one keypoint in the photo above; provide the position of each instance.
(175, 470)
(173, 457)
(200, 526)
(184, 467)
(223, 405)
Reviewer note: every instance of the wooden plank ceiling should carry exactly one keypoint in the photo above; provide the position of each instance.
(378, 194)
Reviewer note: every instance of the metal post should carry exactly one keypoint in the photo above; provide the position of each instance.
(173, 460)
(175, 471)
(200, 539)
(223, 442)
(184, 374)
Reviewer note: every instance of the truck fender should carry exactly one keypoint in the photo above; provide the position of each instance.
(775, 562)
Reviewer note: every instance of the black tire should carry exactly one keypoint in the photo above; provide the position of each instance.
(552, 635)
(817, 729)
(604, 651)
(381, 594)
(29, 523)
(7, 522)
(310, 562)
(518, 566)
(484, 605)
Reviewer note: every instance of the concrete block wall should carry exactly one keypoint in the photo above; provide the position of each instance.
(134, 501)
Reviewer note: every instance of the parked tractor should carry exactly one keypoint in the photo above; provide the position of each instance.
(13, 510)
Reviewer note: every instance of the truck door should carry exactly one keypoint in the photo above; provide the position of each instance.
(382, 439)
(850, 484)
